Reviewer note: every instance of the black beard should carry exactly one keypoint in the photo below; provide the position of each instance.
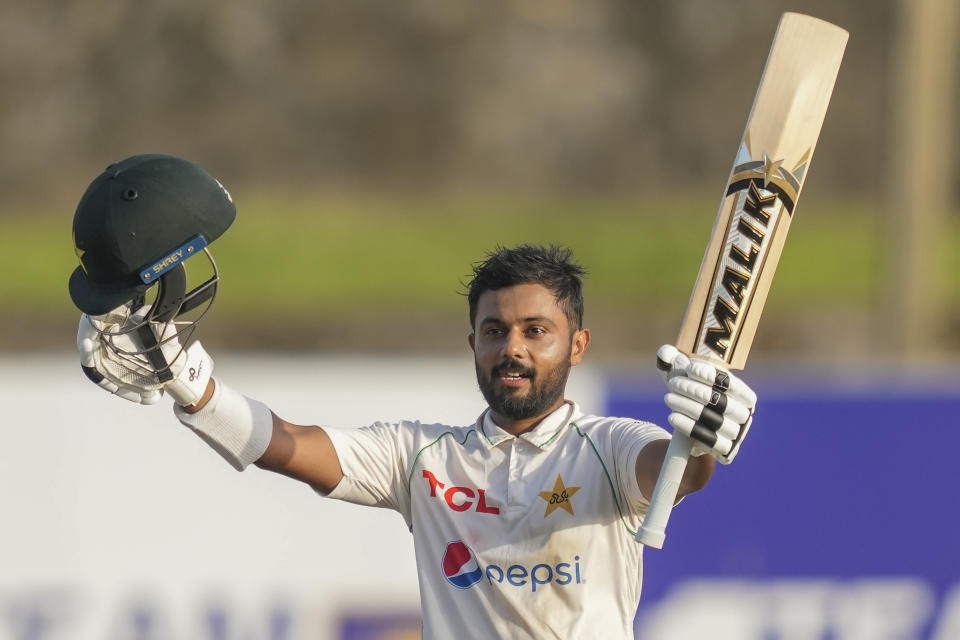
(508, 402)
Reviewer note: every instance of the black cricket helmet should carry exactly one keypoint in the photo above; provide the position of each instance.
(135, 226)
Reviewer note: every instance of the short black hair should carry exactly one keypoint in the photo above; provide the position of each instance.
(552, 266)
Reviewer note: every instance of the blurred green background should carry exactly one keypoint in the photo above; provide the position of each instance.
(376, 149)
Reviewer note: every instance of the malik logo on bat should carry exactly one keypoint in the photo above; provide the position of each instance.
(760, 191)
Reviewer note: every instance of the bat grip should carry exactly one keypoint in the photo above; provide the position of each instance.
(651, 533)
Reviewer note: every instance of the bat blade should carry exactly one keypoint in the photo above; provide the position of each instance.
(757, 207)
(761, 194)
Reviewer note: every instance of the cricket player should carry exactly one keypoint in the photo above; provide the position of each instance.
(523, 518)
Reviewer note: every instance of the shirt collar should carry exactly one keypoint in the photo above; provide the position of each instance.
(541, 435)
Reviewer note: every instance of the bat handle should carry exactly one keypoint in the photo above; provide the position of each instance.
(651, 533)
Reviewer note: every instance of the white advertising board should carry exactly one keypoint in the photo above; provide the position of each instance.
(119, 524)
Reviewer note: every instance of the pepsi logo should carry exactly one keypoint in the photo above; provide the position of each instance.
(460, 566)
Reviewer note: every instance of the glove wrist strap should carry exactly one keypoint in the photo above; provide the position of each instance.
(191, 382)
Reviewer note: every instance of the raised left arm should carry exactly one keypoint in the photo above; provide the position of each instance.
(695, 477)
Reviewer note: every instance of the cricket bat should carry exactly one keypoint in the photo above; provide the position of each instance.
(758, 204)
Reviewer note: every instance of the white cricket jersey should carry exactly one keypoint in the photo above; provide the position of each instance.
(515, 537)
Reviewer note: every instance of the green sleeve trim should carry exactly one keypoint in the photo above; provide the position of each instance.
(416, 458)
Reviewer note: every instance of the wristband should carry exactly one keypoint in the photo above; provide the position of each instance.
(235, 426)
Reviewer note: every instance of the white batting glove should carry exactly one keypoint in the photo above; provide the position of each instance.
(708, 404)
(114, 360)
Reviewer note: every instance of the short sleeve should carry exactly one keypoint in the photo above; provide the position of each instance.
(629, 440)
(372, 459)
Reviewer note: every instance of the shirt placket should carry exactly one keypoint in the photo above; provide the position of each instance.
(515, 481)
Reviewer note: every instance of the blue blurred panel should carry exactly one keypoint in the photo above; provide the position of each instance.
(369, 624)
(830, 484)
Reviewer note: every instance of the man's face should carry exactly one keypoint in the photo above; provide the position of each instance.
(523, 349)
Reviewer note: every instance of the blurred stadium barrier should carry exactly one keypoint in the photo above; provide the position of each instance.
(837, 522)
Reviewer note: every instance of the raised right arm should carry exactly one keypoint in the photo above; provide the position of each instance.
(304, 453)
(242, 430)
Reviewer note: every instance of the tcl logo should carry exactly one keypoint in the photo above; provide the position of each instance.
(460, 498)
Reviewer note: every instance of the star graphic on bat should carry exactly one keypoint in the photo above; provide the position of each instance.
(559, 498)
(770, 167)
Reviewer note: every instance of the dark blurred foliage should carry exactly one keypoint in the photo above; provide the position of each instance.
(491, 101)
(525, 95)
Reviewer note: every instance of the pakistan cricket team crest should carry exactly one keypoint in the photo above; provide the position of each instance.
(759, 199)
(559, 497)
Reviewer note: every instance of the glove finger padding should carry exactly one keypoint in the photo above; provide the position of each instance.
(703, 415)
(671, 362)
(113, 356)
(722, 380)
(704, 440)
(727, 405)
(103, 367)
(708, 404)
